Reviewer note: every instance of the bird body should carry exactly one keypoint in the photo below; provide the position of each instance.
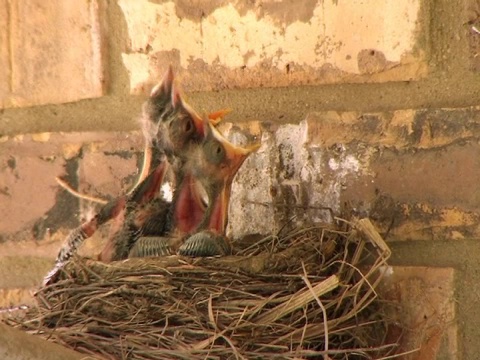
(203, 164)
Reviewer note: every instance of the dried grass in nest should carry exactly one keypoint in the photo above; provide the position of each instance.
(307, 294)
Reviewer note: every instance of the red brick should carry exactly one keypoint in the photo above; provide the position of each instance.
(425, 310)
(26, 190)
(32, 199)
(107, 174)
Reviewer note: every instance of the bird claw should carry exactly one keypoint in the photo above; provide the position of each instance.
(205, 243)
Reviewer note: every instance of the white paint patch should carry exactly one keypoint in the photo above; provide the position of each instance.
(345, 166)
(167, 191)
(291, 140)
(333, 164)
(386, 270)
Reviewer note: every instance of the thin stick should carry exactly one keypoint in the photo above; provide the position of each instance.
(147, 158)
(75, 193)
(398, 355)
(324, 311)
(143, 174)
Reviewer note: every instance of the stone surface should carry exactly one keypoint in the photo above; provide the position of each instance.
(227, 44)
(54, 57)
(424, 310)
(412, 172)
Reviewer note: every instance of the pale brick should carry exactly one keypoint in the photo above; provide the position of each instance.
(16, 297)
(5, 65)
(19, 270)
(31, 249)
(424, 308)
(235, 44)
(55, 56)
(17, 344)
(22, 268)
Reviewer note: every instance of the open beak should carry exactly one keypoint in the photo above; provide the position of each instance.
(150, 186)
(217, 116)
(223, 160)
(203, 194)
(233, 155)
(189, 207)
(219, 215)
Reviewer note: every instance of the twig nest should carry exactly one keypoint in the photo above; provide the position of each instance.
(308, 293)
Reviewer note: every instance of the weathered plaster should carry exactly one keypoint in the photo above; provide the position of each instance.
(371, 39)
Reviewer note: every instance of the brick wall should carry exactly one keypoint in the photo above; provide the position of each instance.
(374, 103)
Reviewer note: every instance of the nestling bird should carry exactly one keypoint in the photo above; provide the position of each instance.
(172, 128)
(210, 168)
(203, 164)
(214, 165)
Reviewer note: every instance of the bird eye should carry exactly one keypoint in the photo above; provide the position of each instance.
(214, 152)
(188, 126)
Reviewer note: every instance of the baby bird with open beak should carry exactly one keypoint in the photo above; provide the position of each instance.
(172, 129)
(214, 165)
(201, 199)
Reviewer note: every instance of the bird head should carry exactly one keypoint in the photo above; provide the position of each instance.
(214, 168)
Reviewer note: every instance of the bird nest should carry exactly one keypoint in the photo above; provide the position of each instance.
(309, 293)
